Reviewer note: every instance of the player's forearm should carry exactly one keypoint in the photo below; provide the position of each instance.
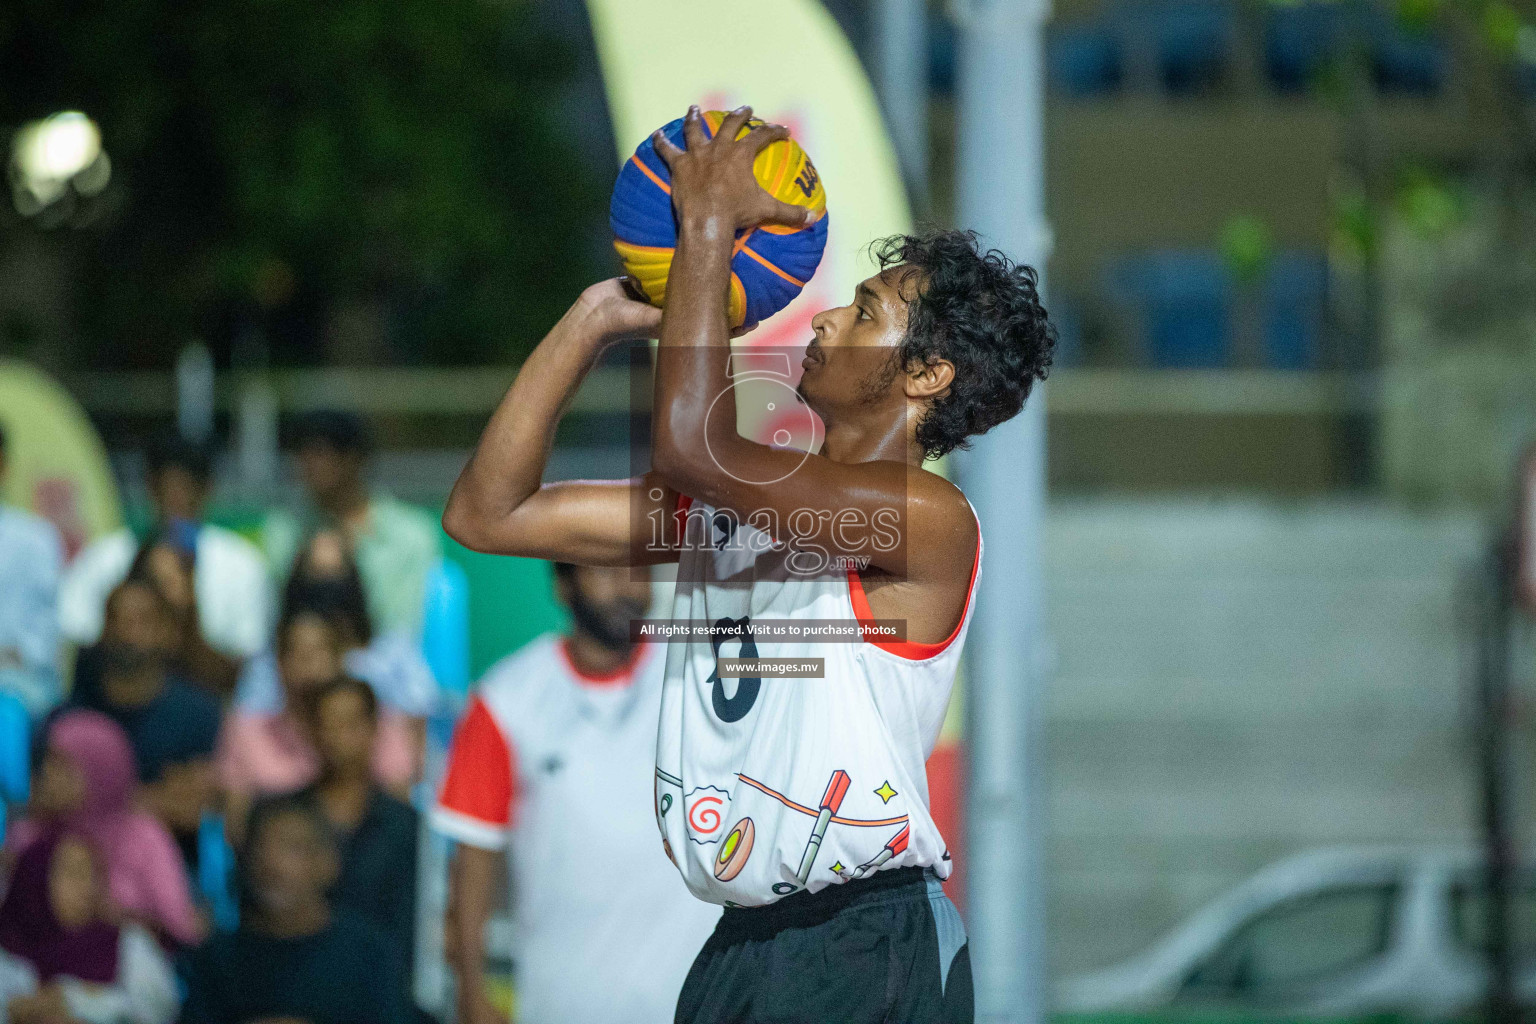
(472, 881)
(508, 464)
(692, 363)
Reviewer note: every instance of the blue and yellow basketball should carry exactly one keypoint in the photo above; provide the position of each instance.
(771, 263)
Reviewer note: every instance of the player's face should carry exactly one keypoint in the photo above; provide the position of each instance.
(604, 601)
(849, 361)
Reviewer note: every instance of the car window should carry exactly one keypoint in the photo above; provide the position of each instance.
(1470, 906)
(1299, 941)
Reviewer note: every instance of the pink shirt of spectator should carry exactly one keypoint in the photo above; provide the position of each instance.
(262, 754)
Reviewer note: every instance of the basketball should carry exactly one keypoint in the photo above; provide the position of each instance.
(771, 263)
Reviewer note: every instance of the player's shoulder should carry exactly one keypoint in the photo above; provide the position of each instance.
(938, 501)
(527, 669)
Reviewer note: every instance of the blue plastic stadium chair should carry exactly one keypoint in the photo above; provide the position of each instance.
(15, 749)
(1404, 59)
(1295, 297)
(1192, 39)
(216, 872)
(445, 628)
(1185, 298)
(1299, 41)
(1085, 61)
(1069, 331)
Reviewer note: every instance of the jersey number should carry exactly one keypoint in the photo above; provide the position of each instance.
(734, 709)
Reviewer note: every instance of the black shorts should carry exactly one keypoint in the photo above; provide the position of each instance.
(888, 948)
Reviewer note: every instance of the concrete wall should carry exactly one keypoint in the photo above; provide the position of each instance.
(1237, 682)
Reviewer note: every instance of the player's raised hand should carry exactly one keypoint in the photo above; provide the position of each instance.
(615, 312)
(713, 177)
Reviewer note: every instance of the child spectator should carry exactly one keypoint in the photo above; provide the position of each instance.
(172, 725)
(171, 567)
(85, 785)
(294, 955)
(60, 957)
(269, 753)
(233, 590)
(376, 833)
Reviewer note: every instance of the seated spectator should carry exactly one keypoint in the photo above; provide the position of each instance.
(271, 753)
(85, 785)
(376, 833)
(395, 544)
(233, 592)
(173, 725)
(326, 579)
(294, 955)
(61, 958)
(31, 558)
(170, 566)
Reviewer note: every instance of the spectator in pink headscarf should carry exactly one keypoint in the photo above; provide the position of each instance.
(86, 785)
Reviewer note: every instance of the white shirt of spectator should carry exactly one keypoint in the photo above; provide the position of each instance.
(233, 589)
(31, 558)
(557, 769)
(144, 992)
(772, 786)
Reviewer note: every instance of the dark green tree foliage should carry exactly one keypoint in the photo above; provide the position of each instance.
(278, 162)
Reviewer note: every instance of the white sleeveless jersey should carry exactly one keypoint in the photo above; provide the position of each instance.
(772, 786)
(555, 767)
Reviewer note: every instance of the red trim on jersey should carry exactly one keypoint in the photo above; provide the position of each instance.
(911, 649)
(680, 515)
(624, 674)
(481, 783)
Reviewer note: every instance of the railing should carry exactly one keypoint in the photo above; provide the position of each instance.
(474, 391)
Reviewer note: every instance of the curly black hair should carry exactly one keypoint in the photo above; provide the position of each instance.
(982, 312)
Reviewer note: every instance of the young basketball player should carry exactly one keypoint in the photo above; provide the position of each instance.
(799, 804)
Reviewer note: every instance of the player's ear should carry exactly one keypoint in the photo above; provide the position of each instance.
(930, 379)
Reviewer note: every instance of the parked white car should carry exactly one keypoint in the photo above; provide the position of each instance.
(1327, 933)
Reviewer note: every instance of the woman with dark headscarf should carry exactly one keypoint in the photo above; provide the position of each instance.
(325, 579)
(86, 785)
(61, 956)
(267, 746)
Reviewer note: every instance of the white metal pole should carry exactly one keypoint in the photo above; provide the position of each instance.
(901, 72)
(1002, 195)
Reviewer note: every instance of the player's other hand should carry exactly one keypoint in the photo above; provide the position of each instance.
(713, 177)
(612, 313)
